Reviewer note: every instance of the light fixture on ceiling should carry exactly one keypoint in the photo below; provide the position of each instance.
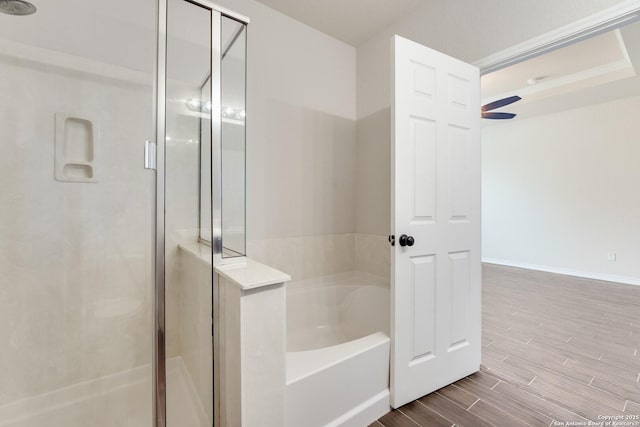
(535, 80)
(17, 7)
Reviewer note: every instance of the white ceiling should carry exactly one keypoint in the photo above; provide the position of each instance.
(590, 54)
(599, 69)
(105, 30)
(595, 70)
(352, 21)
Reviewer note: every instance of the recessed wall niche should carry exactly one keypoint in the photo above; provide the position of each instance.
(76, 141)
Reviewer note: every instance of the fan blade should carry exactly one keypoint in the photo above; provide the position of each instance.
(498, 116)
(500, 103)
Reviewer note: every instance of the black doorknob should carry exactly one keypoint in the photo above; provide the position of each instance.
(406, 240)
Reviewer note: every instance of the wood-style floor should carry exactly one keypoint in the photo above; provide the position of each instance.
(554, 348)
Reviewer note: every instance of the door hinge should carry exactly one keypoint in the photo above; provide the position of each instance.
(392, 239)
(150, 155)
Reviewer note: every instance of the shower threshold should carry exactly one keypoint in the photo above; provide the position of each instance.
(121, 399)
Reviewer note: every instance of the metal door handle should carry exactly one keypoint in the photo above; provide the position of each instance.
(406, 240)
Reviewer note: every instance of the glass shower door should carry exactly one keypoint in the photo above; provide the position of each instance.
(204, 158)
(76, 213)
(188, 107)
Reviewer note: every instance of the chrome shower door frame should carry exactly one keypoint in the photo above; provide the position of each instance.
(159, 379)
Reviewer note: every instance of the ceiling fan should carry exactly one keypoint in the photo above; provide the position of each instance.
(486, 114)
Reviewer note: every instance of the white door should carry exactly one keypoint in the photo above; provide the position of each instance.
(436, 282)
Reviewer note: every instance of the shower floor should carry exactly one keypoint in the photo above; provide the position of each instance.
(121, 400)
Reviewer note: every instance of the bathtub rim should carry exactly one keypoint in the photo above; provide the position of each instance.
(305, 363)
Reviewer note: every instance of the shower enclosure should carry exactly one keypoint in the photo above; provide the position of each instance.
(103, 322)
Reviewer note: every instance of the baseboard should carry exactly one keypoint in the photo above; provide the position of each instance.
(566, 271)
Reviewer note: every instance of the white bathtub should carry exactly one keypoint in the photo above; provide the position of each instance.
(337, 352)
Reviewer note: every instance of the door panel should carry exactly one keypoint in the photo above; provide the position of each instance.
(436, 282)
(423, 140)
(459, 288)
(424, 288)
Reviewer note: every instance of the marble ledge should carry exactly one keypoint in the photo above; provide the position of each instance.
(246, 275)
(198, 250)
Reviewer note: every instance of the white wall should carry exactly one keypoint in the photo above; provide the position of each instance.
(94, 30)
(560, 191)
(301, 139)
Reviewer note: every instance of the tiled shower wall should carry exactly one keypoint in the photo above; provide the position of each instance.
(75, 257)
(328, 194)
(373, 183)
(324, 255)
(308, 256)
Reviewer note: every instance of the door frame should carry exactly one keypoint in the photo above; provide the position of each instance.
(609, 19)
(625, 13)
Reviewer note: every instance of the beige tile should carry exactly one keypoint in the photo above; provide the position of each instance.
(373, 255)
(195, 327)
(307, 256)
(75, 258)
